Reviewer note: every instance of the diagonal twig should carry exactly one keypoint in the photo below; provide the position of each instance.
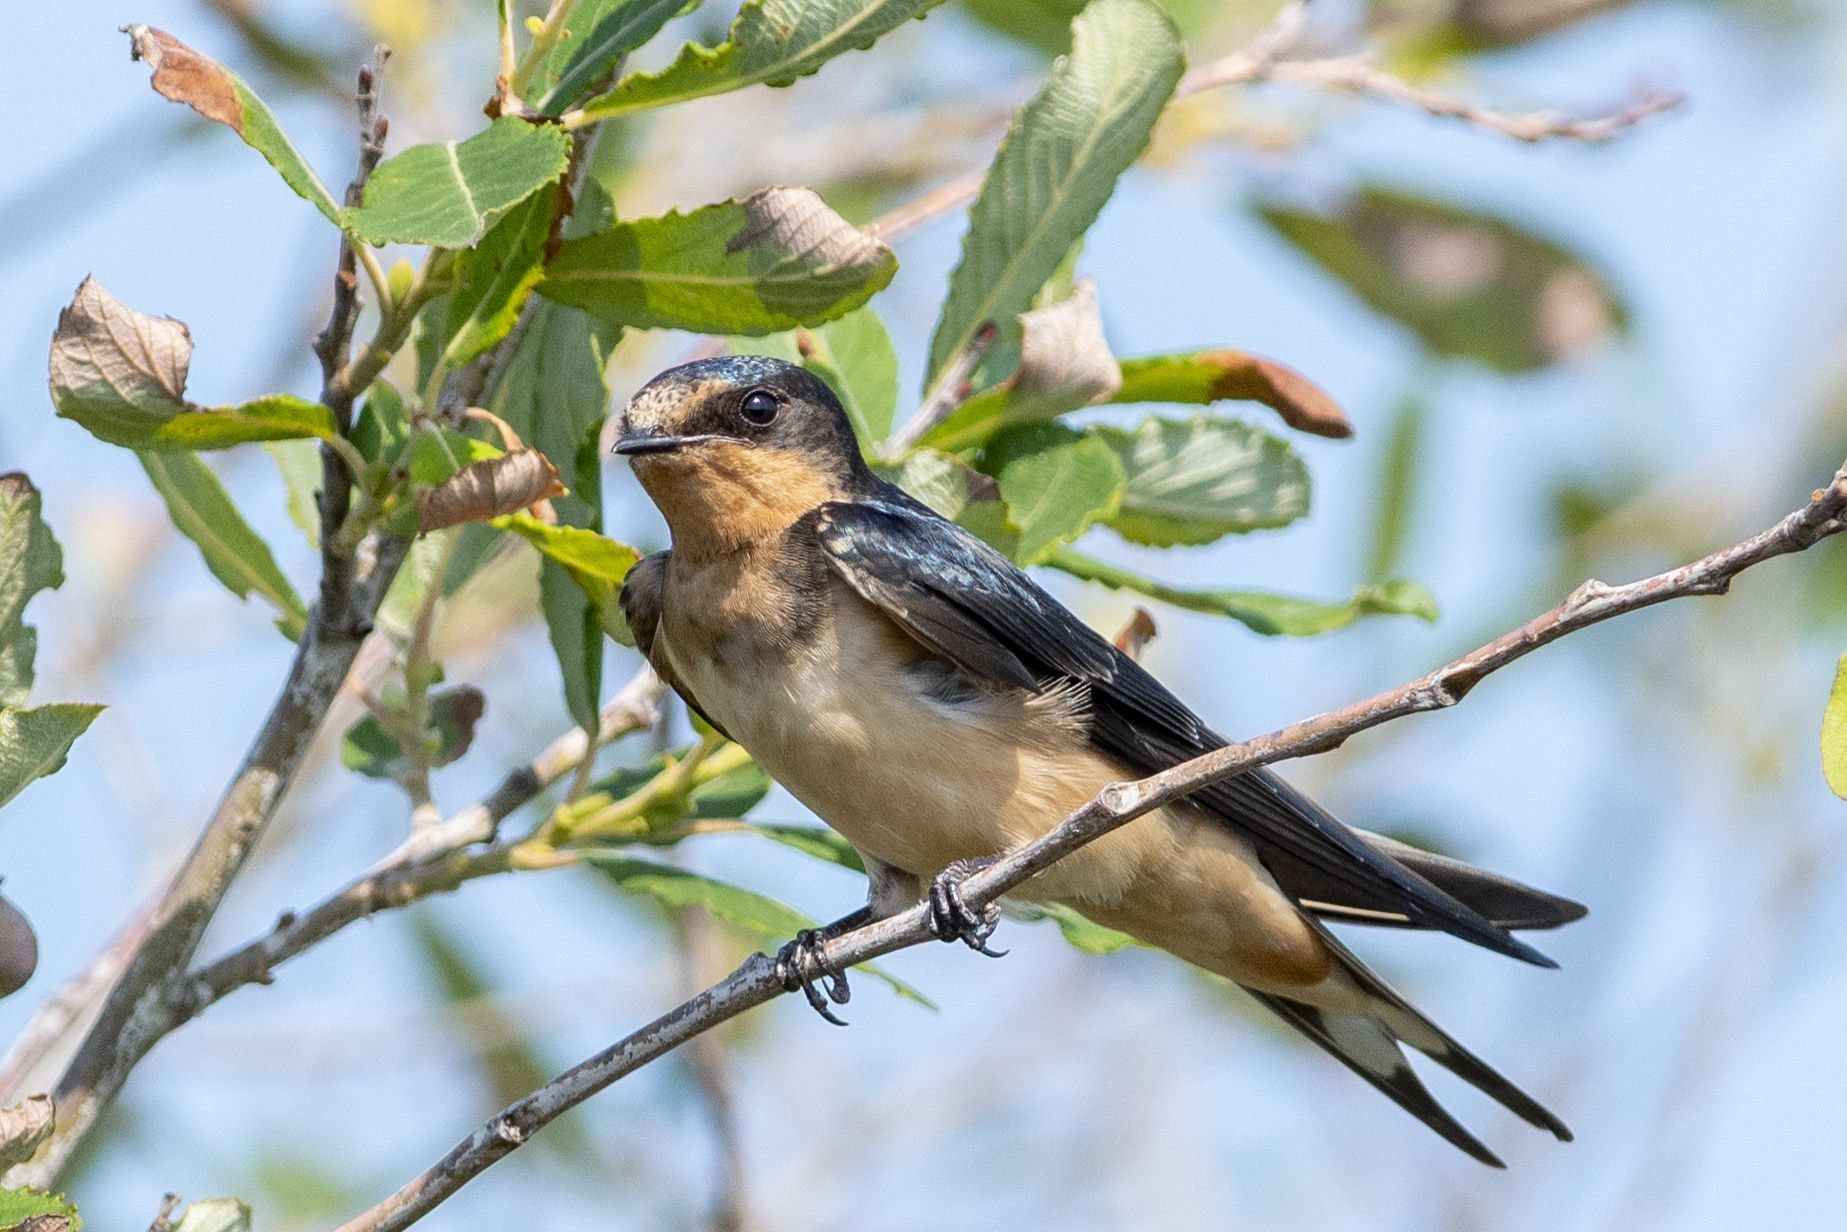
(756, 982)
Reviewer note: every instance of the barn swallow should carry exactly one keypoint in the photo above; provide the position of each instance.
(929, 701)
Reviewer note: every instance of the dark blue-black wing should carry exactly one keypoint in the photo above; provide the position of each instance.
(961, 599)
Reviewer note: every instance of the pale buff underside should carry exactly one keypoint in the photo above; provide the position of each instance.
(918, 784)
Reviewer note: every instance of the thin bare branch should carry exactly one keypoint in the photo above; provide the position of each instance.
(948, 393)
(1263, 59)
(757, 982)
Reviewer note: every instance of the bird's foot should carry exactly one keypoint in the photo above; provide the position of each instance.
(799, 965)
(951, 919)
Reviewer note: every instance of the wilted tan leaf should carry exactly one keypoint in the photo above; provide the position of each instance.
(185, 76)
(1065, 362)
(105, 351)
(797, 221)
(1136, 633)
(488, 489)
(23, 1127)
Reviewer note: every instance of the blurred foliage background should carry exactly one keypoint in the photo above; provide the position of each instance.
(1560, 361)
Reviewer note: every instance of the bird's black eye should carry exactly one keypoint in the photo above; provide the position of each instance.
(759, 407)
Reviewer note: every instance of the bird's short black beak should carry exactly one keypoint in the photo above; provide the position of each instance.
(635, 443)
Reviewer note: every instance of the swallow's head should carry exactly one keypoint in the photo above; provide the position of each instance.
(738, 446)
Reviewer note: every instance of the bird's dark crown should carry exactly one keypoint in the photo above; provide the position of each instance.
(711, 400)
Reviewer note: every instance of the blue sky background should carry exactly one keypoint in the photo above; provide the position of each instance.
(1661, 770)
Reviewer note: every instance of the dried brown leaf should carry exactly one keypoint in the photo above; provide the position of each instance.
(488, 489)
(1065, 362)
(185, 76)
(1303, 404)
(23, 1127)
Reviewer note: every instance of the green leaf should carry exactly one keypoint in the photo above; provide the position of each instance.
(600, 33)
(236, 554)
(814, 841)
(592, 559)
(299, 464)
(1397, 490)
(185, 76)
(121, 374)
(1084, 934)
(771, 42)
(1056, 483)
(449, 194)
(215, 1215)
(30, 561)
(854, 355)
(1058, 165)
(765, 919)
(494, 278)
(383, 426)
(777, 259)
(1470, 285)
(1262, 611)
(1202, 377)
(448, 731)
(1834, 733)
(19, 1205)
(1196, 480)
(960, 493)
(35, 742)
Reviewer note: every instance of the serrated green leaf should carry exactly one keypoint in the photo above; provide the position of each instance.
(214, 1215)
(448, 194)
(35, 742)
(1834, 733)
(121, 374)
(30, 561)
(1262, 611)
(599, 34)
(775, 260)
(494, 278)
(19, 1205)
(185, 76)
(1193, 481)
(1056, 483)
(854, 355)
(772, 42)
(1057, 166)
(763, 918)
(1468, 284)
(236, 554)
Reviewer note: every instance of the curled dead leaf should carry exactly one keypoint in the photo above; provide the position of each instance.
(185, 76)
(104, 348)
(1303, 404)
(797, 221)
(488, 489)
(23, 1127)
(1065, 361)
(1136, 633)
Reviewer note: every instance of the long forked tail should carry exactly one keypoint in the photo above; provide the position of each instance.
(1368, 1044)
